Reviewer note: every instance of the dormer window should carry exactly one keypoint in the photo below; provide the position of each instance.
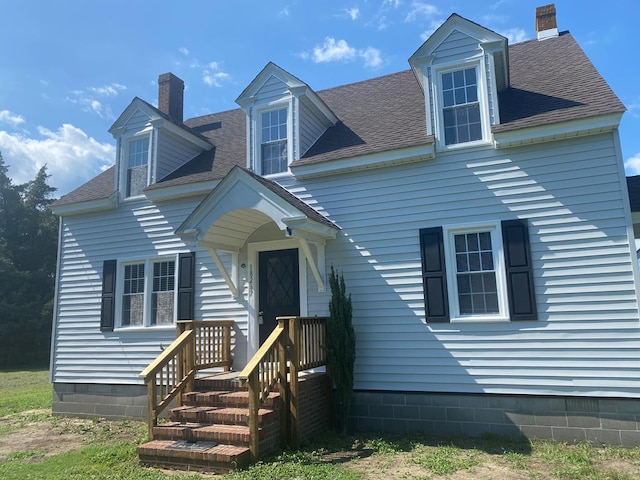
(274, 156)
(460, 106)
(137, 166)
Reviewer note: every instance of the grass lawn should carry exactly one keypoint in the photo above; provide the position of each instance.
(35, 445)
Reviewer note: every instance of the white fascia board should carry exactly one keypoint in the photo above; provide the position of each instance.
(108, 203)
(365, 162)
(181, 191)
(558, 131)
(120, 125)
(312, 99)
(304, 227)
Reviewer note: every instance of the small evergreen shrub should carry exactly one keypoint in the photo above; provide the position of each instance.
(341, 347)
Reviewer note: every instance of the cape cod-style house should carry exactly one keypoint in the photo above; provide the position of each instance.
(476, 204)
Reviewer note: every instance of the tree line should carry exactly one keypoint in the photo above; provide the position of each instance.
(28, 246)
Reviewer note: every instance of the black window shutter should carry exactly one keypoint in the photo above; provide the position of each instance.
(434, 277)
(108, 308)
(186, 285)
(517, 257)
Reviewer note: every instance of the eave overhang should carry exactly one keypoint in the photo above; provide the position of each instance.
(78, 208)
(364, 162)
(557, 131)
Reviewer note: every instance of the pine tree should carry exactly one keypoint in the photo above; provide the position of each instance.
(28, 238)
(341, 347)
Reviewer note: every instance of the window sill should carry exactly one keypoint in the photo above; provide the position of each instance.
(480, 319)
(136, 198)
(458, 146)
(154, 328)
(275, 176)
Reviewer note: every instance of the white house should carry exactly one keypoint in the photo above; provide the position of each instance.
(476, 204)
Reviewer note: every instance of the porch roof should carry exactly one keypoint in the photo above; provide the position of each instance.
(243, 202)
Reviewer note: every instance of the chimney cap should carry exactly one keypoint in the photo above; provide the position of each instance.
(546, 24)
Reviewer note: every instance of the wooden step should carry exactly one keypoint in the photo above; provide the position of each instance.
(201, 455)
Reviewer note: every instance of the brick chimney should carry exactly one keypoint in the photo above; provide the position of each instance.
(171, 96)
(546, 25)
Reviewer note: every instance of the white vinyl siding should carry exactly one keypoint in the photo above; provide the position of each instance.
(587, 335)
(457, 47)
(273, 89)
(172, 154)
(311, 128)
(83, 353)
(138, 121)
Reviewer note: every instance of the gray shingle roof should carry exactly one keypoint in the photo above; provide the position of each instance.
(551, 81)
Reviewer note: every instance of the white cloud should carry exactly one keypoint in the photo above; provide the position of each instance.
(353, 13)
(515, 35)
(420, 10)
(284, 12)
(391, 3)
(108, 90)
(184, 51)
(71, 156)
(212, 75)
(371, 56)
(333, 50)
(632, 165)
(88, 99)
(11, 118)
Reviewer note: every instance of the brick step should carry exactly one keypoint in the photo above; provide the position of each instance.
(217, 398)
(219, 458)
(221, 433)
(239, 416)
(219, 382)
(225, 434)
(188, 413)
(176, 430)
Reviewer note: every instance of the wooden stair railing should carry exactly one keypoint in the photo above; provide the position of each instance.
(296, 344)
(199, 345)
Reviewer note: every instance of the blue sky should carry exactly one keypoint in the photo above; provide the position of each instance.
(69, 68)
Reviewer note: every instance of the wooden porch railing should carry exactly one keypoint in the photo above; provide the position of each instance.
(296, 344)
(199, 345)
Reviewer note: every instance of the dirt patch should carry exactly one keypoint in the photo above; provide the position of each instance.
(35, 434)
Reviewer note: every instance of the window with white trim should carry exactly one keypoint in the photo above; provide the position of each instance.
(137, 166)
(461, 115)
(273, 141)
(148, 293)
(478, 272)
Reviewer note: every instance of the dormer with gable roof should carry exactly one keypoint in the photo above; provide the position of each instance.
(153, 142)
(285, 117)
(462, 67)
